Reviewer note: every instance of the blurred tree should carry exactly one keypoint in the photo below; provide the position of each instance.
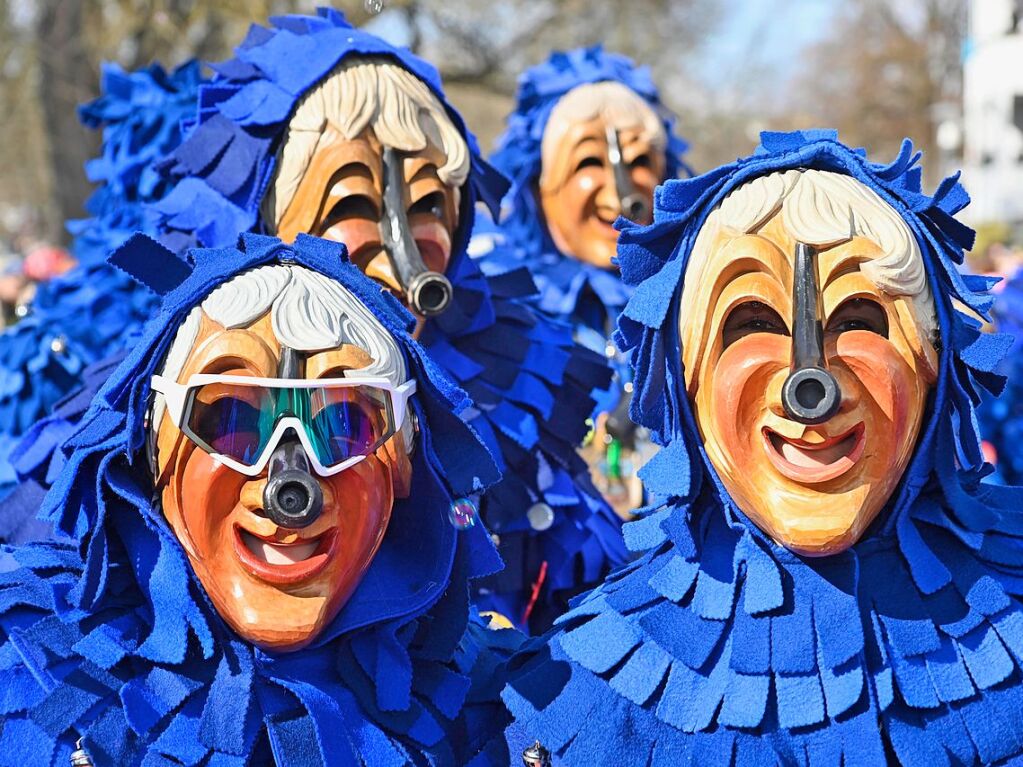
(884, 70)
(887, 70)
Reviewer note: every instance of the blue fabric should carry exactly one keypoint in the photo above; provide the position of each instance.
(80, 317)
(1001, 418)
(112, 638)
(719, 647)
(514, 363)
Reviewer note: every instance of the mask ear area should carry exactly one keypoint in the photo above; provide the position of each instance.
(399, 450)
(924, 350)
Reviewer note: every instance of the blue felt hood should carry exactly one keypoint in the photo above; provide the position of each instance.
(226, 162)
(457, 462)
(539, 90)
(654, 260)
(717, 646)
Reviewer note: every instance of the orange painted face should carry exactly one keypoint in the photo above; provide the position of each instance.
(340, 198)
(277, 588)
(812, 488)
(579, 198)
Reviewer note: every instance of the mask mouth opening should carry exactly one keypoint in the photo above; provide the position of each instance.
(808, 463)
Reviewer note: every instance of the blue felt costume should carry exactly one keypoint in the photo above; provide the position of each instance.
(80, 317)
(531, 384)
(1001, 418)
(717, 646)
(114, 640)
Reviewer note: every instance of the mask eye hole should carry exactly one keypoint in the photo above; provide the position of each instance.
(589, 162)
(642, 161)
(749, 318)
(354, 206)
(859, 314)
(431, 204)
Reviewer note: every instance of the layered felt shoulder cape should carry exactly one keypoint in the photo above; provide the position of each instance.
(531, 383)
(718, 647)
(110, 637)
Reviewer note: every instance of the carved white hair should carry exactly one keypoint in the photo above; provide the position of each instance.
(308, 312)
(618, 105)
(821, 208)
(360, 93)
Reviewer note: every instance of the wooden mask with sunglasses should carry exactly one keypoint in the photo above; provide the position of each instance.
(229, 416)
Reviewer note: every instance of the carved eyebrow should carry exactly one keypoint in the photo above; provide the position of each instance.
(846, 264)
(428, 170)
(581, 143)
(356, 169)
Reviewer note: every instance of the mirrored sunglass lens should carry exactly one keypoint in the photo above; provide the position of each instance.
(348, 422)
(233, 420)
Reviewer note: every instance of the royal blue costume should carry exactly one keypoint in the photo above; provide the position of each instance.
(584, 295)
(78, 318)
(113, 640)
(1001, 418)
(719, 647)
(531, 384)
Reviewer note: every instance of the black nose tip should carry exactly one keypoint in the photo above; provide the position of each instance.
(811, 395)
(293, 499)
(430, 293)
(635, 208)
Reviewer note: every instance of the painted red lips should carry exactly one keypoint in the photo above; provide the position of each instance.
(283, 564)
(809, 463)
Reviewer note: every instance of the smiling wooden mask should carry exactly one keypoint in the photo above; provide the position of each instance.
(813, 480)
(276, 586)
(602, 155)
(371, 159)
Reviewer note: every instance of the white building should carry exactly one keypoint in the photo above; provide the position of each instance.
(993, 112)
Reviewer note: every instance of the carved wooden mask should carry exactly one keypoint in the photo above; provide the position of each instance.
(579, 194)
(814, 488)
(277, 587)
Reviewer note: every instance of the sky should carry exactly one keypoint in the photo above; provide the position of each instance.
(762, 35)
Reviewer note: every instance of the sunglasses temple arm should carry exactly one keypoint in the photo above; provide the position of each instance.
(174, 395)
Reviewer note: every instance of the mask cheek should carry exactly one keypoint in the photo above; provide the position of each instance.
(360, 499)
(358, 234)
(742, 383)
(890, 391)
(202, 495)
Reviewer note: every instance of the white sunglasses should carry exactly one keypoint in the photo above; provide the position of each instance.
(240, 420)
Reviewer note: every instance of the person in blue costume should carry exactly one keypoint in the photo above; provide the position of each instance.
(352, 644)
(318, 127)
(1001, 418)
(588, 141)
(79, 318)
(824, 576)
